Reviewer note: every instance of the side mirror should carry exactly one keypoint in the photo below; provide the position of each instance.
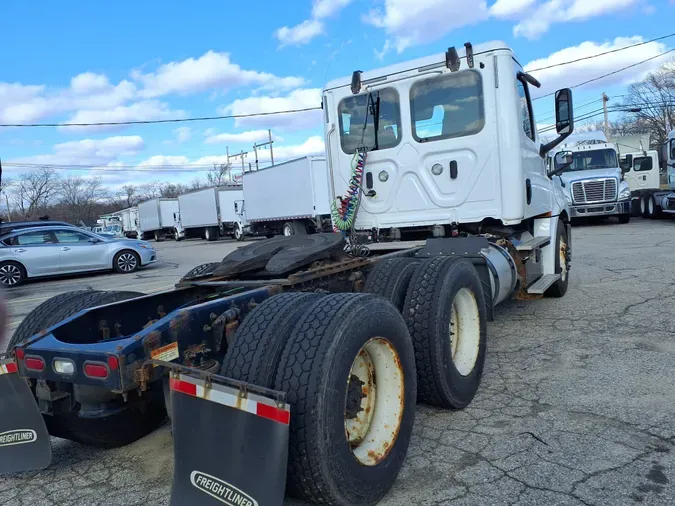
(93, 240)
(564, 121)
(672, 148)
(564, 112)
(626, 166)
(562, 160)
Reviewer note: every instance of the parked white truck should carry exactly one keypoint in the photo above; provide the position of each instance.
(653, 183)
(290, 198)
(593, 184)
(158, 218)
(129, 220)
(208, 213)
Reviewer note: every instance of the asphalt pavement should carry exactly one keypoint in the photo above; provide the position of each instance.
(576, 406)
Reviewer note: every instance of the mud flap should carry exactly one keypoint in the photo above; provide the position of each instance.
(24, 440)
(230, 445)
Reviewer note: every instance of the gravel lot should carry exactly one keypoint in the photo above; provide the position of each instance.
(576, 406)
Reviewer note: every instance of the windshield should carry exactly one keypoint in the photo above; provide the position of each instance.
(596, 159)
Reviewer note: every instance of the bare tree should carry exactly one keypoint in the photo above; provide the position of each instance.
(150, 190)
(218, 175)
(655, 98)
(197, 184)
(129, 195)
(80, 195)
(34, 191)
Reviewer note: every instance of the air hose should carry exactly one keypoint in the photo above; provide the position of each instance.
(344, 209)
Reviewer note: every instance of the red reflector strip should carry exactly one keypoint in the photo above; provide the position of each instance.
(272, 413)
(97, 371)
(8, 368)
(183, 387)
(228, 396)
(34, 364)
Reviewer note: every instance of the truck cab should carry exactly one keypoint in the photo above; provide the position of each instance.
(450, 140)
(594, 184)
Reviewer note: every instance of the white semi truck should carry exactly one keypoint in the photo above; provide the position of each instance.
(653, 183)
(594, 184)
(322, 343)
(129, 221)
(290, 198)
(158, 218)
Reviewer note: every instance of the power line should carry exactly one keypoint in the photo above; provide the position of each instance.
(551, 116)
(611, 73)
(602, 54)
(156, 121)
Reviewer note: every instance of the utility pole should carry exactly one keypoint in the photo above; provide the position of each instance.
(605, 99)
(257, 146)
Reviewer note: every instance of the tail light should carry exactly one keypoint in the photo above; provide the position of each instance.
(34, 364)
(20, 353)
(96, 370)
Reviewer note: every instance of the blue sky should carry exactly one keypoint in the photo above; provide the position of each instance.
(145, 60)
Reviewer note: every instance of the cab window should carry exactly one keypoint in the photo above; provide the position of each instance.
(447, 106)
(644, 163)
(525, 108)
(370, 121)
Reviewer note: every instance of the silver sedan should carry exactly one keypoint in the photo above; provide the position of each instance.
(52, 251)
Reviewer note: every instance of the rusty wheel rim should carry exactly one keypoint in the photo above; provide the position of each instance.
(464, 331)
(563, 259)
(374, 403)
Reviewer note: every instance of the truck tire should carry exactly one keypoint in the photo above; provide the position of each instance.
(324, 369)
(562, 258)
(211, 234)
(176, 235)
(288, 229)
(446, 316)
(42, 317)
(259, 341)
(624, 218)
(239, 233)
(644, 205)
(654, 209)
(201, 270)
(390, 278)
(159, 236)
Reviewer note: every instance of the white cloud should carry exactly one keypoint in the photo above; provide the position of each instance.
(326, 8)
(298, 99)
(411, 22)
(309, 29)
(95, 152)
(569, 75)
(510, 8)
(183, 134)
(146, 110)
(211, 71)
(244, 137)
(299, 34)
(542, 17)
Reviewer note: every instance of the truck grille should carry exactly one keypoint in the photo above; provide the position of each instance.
(594, 190)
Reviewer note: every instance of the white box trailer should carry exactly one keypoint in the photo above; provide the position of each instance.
(290, 198)
(158, 217)
(231, 205)
(129, 219)
(199, 216)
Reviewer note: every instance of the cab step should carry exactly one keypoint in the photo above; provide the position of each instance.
(543, 284)
(533, 244)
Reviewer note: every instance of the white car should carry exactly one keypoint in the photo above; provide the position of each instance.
(52, 251)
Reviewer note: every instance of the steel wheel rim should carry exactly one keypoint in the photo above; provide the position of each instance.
(464, 331)
(127, 262)
(287, 231)
(563, 259)
(643, 209)
(10, 275)
(651, 206)
(374, 401)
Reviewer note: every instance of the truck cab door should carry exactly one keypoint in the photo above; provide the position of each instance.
(538, 186)
(644, 174)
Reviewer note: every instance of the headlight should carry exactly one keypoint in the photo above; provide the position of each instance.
(624, 194)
